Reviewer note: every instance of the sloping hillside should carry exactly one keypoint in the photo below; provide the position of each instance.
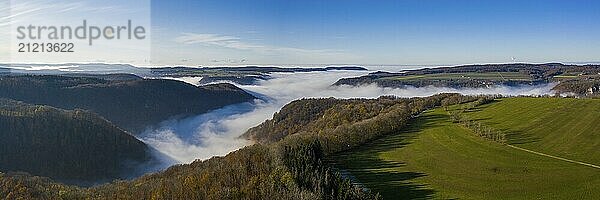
(563, 127)
(72, 146)
(130, 104)
(478, 76)
(436, 158)
(288, 166)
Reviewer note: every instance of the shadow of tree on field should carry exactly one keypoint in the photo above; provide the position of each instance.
(520, 137)
(364, 166)
(512, 136)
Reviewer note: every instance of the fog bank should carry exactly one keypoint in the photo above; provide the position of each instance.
(216, 133)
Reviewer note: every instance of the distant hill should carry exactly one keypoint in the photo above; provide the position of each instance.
(68, 68)
(285, 69)
(184, 70)
(68, 145)
(476, 76)
(108, 77)
(129, 102)
(586, 87)
(247, 75)
(4, 70)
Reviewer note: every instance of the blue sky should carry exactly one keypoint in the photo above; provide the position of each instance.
(73, 14)
(377, 32)
(402, 32)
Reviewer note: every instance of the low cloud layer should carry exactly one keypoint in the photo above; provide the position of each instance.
(216, 133)
(204, 136)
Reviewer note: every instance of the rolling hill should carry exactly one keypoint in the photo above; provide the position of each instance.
(73, 146)
(132, 104)
(579, 80)
(566, 127)
(436, 158)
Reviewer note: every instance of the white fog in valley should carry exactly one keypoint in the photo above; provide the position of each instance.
(217, 133)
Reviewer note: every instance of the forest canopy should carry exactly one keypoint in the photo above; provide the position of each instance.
(281, 166)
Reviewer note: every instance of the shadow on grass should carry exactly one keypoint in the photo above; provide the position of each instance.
(512, 136)
(520, 137)
(364, 166)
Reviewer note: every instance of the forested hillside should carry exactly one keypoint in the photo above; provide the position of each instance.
(581, 87)
(327, 117)
(478, 76)
(288, 166)
(132, 104)
(72, 146)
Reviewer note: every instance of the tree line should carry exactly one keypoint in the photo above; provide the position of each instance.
(480, 129)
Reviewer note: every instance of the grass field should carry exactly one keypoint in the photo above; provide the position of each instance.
(467, 76)
(567, 128)
(438, 159)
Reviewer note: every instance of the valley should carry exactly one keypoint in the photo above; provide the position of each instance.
(131, 103)
(375, 142)
(299, 100)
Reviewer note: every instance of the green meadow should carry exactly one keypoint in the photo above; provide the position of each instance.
(568, 128)
(435, 158)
